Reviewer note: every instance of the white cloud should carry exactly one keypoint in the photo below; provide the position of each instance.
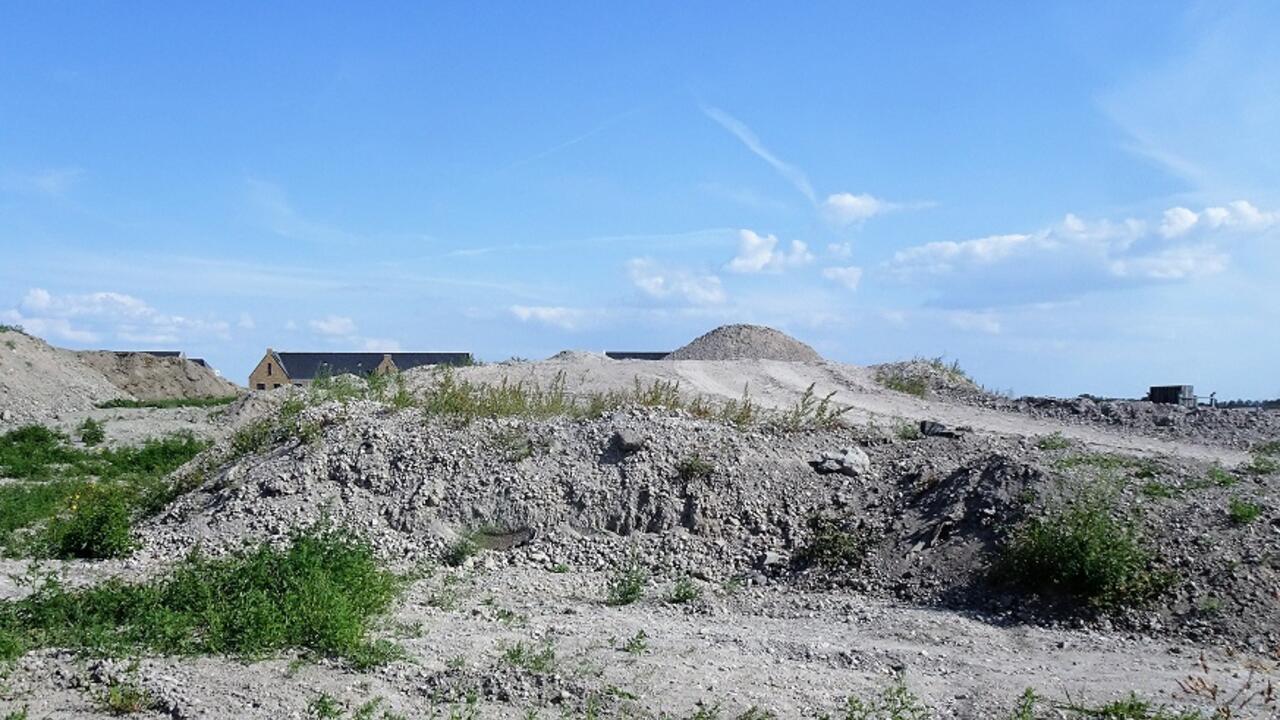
(983, 322)
(92, 317)
(1181, 263)
(53, 182)
(561, 317)
(334, 325)
(380, 345)
(849, 209)
(945, 256)
(246, 322)
(663, 283)
(791, 173)
(1238, 216)
(1078, 256)
(846, 276)
(842, 250)
(1177, 221)
(758, 253)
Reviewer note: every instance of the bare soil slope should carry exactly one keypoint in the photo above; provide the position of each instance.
(147, 377)
(39, 382)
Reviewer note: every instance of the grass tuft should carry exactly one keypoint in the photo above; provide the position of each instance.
(628, 584)
(1083, 552)
(202, 402)
(1243, 512)
(319, 594)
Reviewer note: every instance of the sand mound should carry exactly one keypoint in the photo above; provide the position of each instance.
(746, 342)
(147, 377)
(39, 381)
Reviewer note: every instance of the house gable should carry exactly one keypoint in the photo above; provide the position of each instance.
(269, 373)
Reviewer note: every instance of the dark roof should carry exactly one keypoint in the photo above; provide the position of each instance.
(152, 353)
(630, 355)
(199, 361)
(305, 365)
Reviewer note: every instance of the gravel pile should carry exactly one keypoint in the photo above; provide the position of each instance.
(693, 497)
(147, 377)
(39, 382)
(931, 378)
(1240, 428)
(746, 342)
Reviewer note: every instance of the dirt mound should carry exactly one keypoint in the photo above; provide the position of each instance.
(928, 378)
(695, 497)
(148, 377)
(39, 382)
(746, 342)
(1240, 428)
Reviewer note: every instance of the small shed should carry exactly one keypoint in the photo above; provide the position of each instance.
(1184, 395)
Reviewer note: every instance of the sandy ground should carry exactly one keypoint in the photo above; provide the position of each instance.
(796, 655)
(779, 384)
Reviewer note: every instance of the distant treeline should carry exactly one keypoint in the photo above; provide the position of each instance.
(1268, 404)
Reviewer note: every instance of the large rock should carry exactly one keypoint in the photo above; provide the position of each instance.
(851, 461)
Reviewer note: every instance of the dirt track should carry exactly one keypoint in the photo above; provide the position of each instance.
(779, 384)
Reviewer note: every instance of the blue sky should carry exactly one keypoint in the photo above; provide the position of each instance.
(1067, 197)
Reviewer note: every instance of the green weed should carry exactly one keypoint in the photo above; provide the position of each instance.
(126, 698)
(811, 411)
(210, 401)
(1083, 552)
(835, 545)
(1056, 441)
(1243, 512)
(97, 524)
(627, 585)
(636, 644)
(320, 594)
(684, 591)
(91, 432)
(895, 702)
(534, 659)
(694, 467)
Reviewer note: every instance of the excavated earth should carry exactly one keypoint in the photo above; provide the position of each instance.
(559, 505)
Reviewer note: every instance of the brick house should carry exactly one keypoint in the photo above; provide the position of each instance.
(277, 369)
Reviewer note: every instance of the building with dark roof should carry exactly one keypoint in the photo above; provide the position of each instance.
(635, 355)
(277, 369)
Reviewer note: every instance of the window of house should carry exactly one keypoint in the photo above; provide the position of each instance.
(262, 386)
(268, 368)
(275, 386)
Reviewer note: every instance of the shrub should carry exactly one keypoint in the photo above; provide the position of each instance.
(91, 432)
(835, 545)
(31, 452)
(810, 411)
(627, 585)
(636, 644)
(539, 660)
(1056, 441)
(694, 467)
(684, 591)
(1083, 552)
(461, 550)
(1221, 478)
(909, 431)
(97, 525)
(895, 702)
(513, 445)
(910, 386)
(23, 504)
(321, 594)
(1243, 512)
(125, 698)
